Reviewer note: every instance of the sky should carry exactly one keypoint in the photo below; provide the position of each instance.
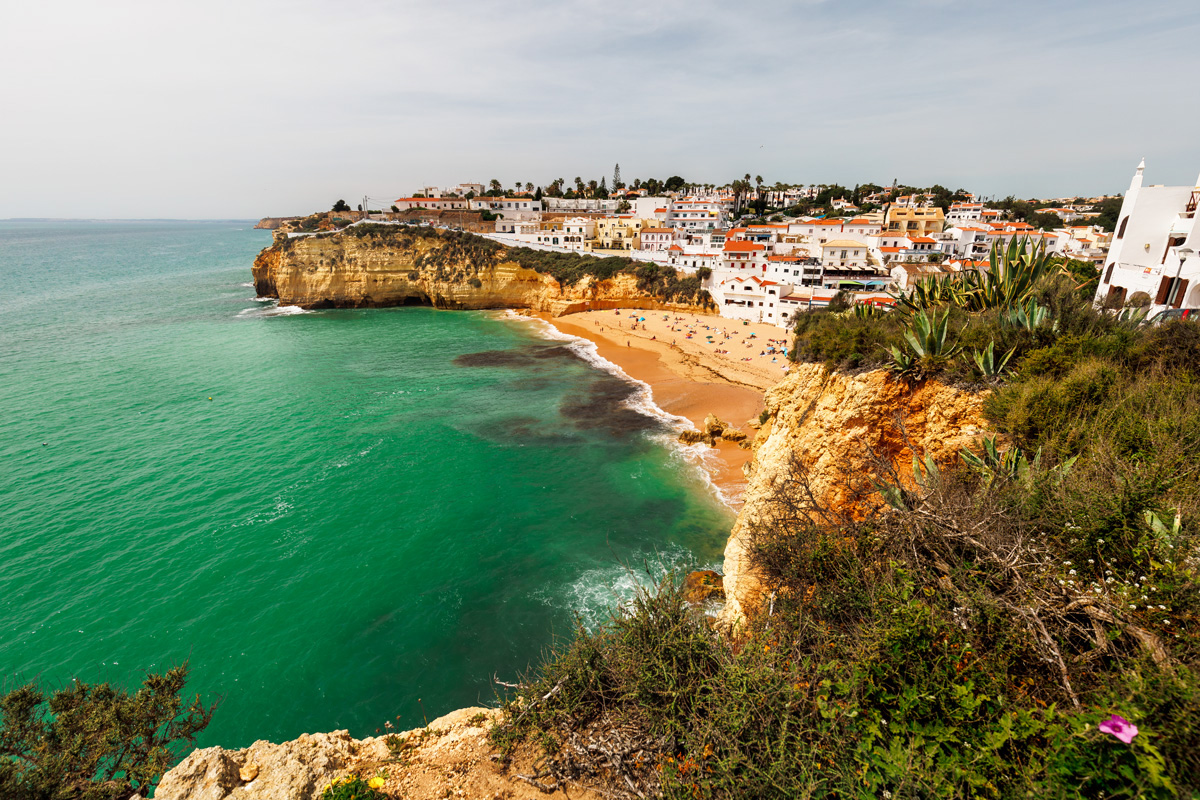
(245, 109)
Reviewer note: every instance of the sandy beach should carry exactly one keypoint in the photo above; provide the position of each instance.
(695, 365)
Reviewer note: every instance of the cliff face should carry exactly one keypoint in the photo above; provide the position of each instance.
(451, 757)
(832, 424)
(351, 270)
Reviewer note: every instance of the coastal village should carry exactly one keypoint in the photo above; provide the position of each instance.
(765, 253)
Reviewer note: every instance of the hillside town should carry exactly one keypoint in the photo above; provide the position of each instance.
(766, 253)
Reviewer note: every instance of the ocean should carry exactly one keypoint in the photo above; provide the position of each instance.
(337, 518)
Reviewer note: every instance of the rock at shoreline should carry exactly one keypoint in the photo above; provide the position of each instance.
(693, 437)
(713, 426)
(733, 435)
(703, 585)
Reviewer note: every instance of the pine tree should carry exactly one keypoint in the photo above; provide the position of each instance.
(616, 184)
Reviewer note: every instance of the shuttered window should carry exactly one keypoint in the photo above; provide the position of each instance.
(1179, 294)
(1164, 286)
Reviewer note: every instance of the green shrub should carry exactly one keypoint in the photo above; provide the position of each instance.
(352, 788)
(94, 741)
(844, 340)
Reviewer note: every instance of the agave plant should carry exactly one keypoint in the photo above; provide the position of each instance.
(1011, 464)
(1027, 316)
(1132, 317)
(927, 347)
(926, 475)
(926, 336)
(925, 294)
(904, 363)
(1012, 275)
(986, 361)
(867, 311)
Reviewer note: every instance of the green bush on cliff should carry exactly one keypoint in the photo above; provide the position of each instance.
(963, 634)
(955, 645)
(95, 741)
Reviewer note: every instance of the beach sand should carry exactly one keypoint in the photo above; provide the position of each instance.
(692, 377)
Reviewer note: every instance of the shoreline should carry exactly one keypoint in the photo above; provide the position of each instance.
(684, 379)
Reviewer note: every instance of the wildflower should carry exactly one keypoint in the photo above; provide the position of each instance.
(377, 782)
(1119, 727)
(1072, 572)
(1099, 541)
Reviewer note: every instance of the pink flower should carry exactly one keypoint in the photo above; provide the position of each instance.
(1119, 727)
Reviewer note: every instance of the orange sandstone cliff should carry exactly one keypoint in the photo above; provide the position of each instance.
(374, 266)
(836, 426)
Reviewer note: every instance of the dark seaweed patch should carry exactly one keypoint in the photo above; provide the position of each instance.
(515, 359)
(603, 407)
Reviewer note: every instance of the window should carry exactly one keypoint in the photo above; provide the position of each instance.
(1121, 230)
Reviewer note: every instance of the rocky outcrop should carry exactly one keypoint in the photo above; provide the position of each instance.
(714, 429)
(360, 268)
(451, 757)
(835, 425)
(274, 223)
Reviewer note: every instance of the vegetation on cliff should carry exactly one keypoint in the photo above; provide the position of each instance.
(1022, 620)
(95, 741)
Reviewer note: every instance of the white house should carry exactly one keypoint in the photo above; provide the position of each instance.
(844, 253)
(961, 213)
(656, 239)
(432, 203)
(751, 297)
(1154, 249)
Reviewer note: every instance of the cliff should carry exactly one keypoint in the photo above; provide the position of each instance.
(380, 266)
(836, 426)
(273, 223)
(451, 757)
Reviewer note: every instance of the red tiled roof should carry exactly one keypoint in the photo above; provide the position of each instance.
(743, 247)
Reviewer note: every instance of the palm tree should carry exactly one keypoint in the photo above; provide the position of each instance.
(528, 186)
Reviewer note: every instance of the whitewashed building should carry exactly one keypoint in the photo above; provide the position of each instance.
(1155, 247)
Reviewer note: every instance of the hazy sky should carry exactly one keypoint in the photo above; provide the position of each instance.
(245, 109)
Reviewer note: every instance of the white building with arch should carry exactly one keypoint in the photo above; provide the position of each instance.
(1156, 247)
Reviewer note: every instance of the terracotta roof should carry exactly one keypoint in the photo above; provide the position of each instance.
(657, 230)
(890, 249)
(743, 247)
(675, 247)
(923, 240)
(784, 258)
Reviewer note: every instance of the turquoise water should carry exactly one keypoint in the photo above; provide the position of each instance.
(373, 507)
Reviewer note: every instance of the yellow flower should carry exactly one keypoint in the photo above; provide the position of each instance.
(377, 782)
